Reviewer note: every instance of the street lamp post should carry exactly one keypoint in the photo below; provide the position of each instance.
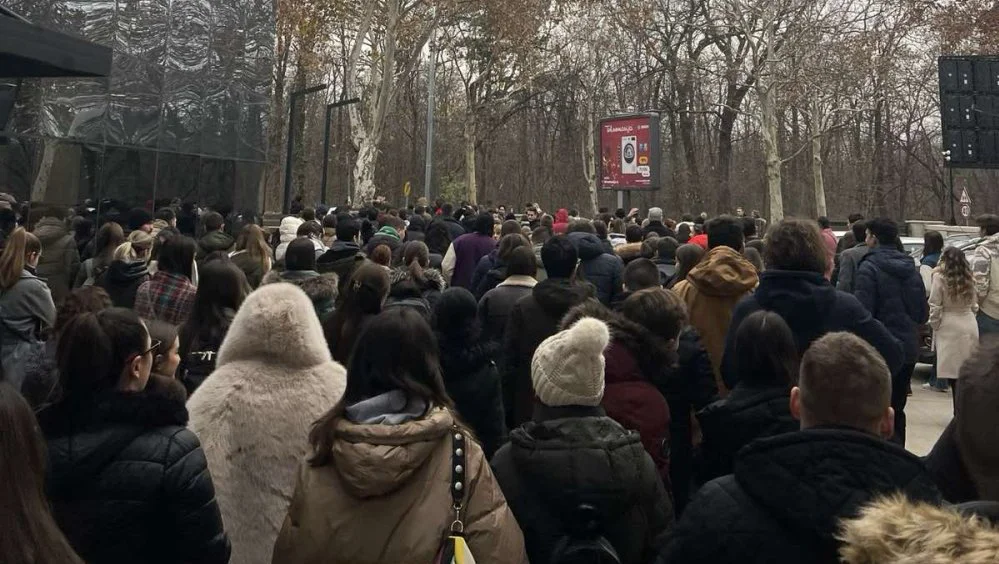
(286, 208)
(950, 174)
(326, 143)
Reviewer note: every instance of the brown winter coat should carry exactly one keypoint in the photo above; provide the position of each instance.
(711, 291)
(386, 498)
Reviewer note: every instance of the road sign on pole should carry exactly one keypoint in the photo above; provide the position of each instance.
(965, 211)
(965, 199)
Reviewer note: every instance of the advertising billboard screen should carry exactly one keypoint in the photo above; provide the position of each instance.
(629, 152)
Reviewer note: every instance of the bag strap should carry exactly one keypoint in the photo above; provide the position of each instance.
(458, 480)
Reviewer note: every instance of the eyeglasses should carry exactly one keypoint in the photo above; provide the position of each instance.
(155, 345)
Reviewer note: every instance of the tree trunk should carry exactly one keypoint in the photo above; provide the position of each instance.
(817, 119)
(471, 190)
(41, 183)
(771, 151)
(364, 173)
(589, 152)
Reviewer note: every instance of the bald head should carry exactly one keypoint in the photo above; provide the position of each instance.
(843, 381)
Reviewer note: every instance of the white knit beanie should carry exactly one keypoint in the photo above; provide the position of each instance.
(568, 368)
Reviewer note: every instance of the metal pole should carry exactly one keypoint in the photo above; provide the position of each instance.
(326, 154)
(953, 215)
(431, 80)
(286, 207)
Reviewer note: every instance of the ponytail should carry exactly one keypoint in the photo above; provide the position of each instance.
(416, 256)
(18, 246)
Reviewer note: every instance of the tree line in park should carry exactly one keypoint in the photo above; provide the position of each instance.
(791, 107)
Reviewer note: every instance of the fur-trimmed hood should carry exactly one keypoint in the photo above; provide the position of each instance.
(895, 530)
(321, 288)
(434, 279)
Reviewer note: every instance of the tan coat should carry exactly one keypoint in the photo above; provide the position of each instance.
(711, 291)
(386, 498)
(273, 379)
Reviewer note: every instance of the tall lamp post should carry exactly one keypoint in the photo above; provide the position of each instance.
(286, 208)
(950, 174)
(326, 143)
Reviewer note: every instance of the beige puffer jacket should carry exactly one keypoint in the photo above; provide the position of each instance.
(386, 498)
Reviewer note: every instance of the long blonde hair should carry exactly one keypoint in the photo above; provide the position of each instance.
(136, 248)
(251, 239)
(19, 245)
(957, 275)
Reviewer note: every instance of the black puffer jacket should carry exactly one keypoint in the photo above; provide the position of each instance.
(577, 455)
(129, 482)
(787, 496)
(405, 290)
(122, 280)
(747, 414)
(473, 382)
(889, 286)
(604, 271)
(343, 258)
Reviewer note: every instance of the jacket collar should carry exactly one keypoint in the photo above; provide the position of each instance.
(544, 412)
(161, 404)
(519, 280)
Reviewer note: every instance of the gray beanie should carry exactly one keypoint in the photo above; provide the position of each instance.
(568, 367)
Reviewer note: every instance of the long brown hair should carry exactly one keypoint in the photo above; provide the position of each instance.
(108, 239)
(19, 245)
(30, 534)
(957, 276)
(251, 239)
(416, 257)
(363, 297)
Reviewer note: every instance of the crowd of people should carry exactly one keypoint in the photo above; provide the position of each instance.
(441, 384)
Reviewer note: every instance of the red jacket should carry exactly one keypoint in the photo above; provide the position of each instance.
(699, 240)
(561, 221)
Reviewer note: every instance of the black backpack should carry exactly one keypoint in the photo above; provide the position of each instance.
(584, 543)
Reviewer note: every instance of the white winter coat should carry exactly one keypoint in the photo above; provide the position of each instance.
(274, 377)
(955, 331)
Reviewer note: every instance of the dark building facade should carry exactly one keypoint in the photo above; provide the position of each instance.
(183, 114)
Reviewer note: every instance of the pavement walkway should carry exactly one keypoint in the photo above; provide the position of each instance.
(927, 414)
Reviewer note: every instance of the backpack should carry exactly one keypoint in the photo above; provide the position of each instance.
(584, 543)
(93, 274)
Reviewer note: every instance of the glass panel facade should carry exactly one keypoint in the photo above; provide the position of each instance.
(183, 114)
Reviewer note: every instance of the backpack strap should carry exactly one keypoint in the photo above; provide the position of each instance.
(459, 483)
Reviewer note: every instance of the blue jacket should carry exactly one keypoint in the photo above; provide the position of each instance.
(889, 286)
(811, 307)
(604, 271)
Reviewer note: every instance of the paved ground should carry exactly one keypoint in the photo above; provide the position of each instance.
(927, 413)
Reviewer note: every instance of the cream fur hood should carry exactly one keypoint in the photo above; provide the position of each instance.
(897, 531)
(273, 379)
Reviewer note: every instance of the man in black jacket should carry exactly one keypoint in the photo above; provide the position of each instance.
(345, 254)
(788, 494)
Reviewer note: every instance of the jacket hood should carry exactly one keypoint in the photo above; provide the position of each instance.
(588, 245)
(400, 276)
(277, 325)
(289, 228)
(389, 231)
(125, 272)
(461, 359)
(629, 251)
(340, 250)
(895, 530)
(723, 272)
(216, 241)
(49, 230)
(556, 296)
(375, 460)
(562, 216)
(798, 297)
(892, 262)
(811, 479)
(318, 287)
(542, 451)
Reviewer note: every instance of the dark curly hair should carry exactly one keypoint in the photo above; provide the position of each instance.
(795, 244)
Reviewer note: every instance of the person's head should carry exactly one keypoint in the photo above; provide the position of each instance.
(253, 240)
(409, 365)
(640, 274)
(213, 221)
(882, 232)
(666, 248)
(659, 311)
(988, 223)
(483, 224)
(634, 234)
(455, 316)
(109, 237)
(509, 243)
(749, 229)
(823, 222)
(103, 351)
(21, 250)
(568, 368)
(581, 226)
(620, 213)
(509, 227)
(601, 229)
(725, 231)
(795, 244)
(559, 257)
(137, 248)
(139, 219)
(753, 256)
(859, 229)
(656, 214)
(617, 226)
(739, 212)
(308, 214)
(957, 275)
(167, 215)
(765, 351)
(854, 218)
(329, 222)
(166, 356)
(83, 228)
(301, 255)
(683, 233)
(531, 214)
(222, 287)
(933, 243)
(348, 229)
(844, 382)
(540, 236)
(687, 257)
(363, 296)
(88, 299)
(521, 261)
(382, 255)
(548, 222)
(310, 229)
(396, 223)
(30, 532)
(176, 256)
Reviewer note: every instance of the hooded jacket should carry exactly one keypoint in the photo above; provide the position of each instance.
(214, 241)
(128, 481)
(385, 497)
(274, 377)
(604, 271)
(496, 305)
(571, 456)
(60, 258)
(811, 307)
(533, 319)
(385, 236)
(473, 382)
(787, 495)
(26, 314)
(890, 287)
(322, 289)
(561, 223)
(894, 530)
(343, 258)
(405, 289)
(628, 252)
(711, 292)
(251, 267)
(122, 280)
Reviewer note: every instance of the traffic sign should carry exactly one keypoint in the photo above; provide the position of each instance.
(407, 189)
(965, 199)
(966, 211)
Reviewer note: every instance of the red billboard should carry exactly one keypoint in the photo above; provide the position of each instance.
(629, 152)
